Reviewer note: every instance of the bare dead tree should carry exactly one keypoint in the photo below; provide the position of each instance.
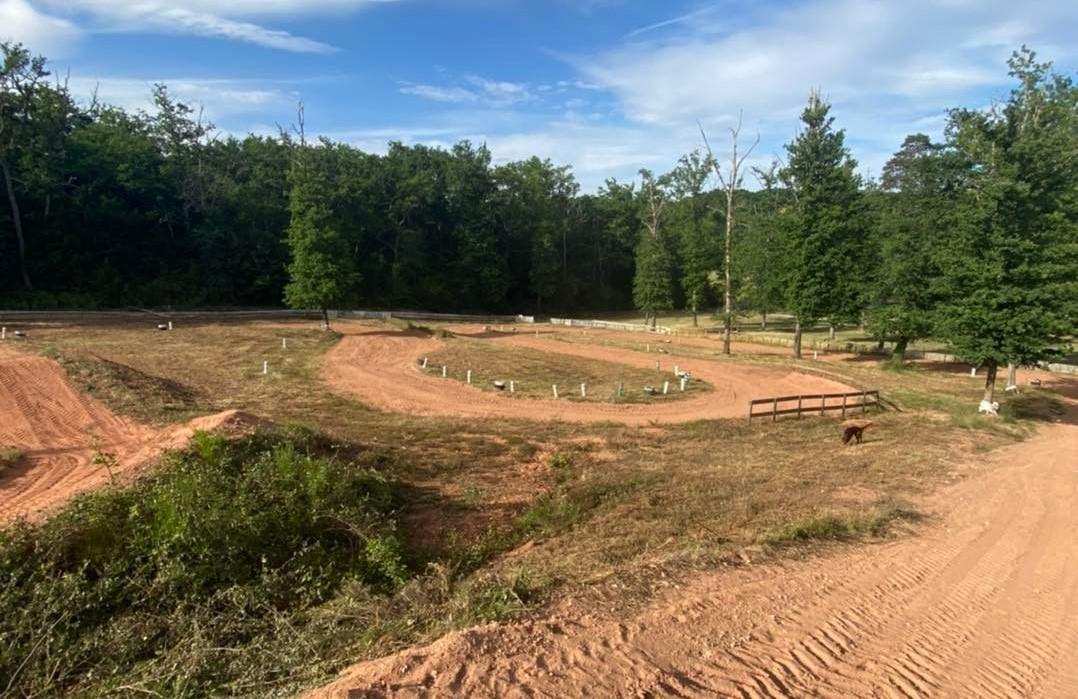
(730, 181)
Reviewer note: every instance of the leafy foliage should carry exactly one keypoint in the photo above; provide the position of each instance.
(214, 550)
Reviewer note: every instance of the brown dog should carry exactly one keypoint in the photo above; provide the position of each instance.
(855, 431)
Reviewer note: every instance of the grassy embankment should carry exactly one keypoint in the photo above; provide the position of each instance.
(492, 516)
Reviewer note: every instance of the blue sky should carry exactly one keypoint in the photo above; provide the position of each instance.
(607, 86)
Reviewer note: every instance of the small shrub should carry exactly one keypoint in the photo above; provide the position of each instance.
(9, 456)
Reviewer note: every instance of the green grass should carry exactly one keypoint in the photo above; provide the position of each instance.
(875, 521)
(197, 578)
(534, 374)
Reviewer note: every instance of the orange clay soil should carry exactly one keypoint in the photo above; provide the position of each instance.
(379, 367)
(58, 430)
(983, 604)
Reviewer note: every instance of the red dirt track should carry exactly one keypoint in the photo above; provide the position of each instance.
(58, 430)
(983, 604)
(379, 367)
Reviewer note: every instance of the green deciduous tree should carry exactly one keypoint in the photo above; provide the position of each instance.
(322, 271)
(918, 186)
(1009, 268)
(653, 283)
(693, 226)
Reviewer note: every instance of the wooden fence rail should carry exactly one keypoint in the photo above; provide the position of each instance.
(816, 403)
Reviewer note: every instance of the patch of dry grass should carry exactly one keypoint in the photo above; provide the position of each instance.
(534, 374)
(9, 456)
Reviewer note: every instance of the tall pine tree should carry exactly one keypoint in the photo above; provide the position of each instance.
(825, 223)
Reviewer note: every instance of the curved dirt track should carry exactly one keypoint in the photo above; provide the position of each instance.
(58, 430)
(379, 368)
(983, 604)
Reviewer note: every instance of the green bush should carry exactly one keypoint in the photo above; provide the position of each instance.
(199, 572)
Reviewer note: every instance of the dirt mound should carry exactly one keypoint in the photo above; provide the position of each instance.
(985, 604)
(379, 367)
(71, 442)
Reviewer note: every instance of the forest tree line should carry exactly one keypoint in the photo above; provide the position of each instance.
(972, 239)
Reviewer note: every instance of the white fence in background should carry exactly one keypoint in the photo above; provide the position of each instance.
(611, 325)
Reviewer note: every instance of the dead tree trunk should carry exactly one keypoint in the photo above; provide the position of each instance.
(730, 182)
(16, 218)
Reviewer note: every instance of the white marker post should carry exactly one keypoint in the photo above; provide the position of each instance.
(676, 372)
(512, 387)
(666, 387)
(682, 384)
(469, 379)
(443, 372)
(973, 372)
(815, 355)
(583, 391)
(3, 333)
(265, 368)
(555, 387)
(424, 362)
(647, 348)
(284, 343)
(170, 325)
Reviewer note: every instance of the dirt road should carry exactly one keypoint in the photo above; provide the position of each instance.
(982, 603)
(378, 367)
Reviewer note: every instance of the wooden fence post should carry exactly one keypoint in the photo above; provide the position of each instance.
(799, 399)
(823, 402)
(864, 402)
(774, 410)
(844, 395)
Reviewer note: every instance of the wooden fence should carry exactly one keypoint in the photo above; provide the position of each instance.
(814, 404)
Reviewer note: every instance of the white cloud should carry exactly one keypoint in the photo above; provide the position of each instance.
(491, 93)
(227, 20)
(20, 22)
(220, 99)
(437, 93)
(889, 68)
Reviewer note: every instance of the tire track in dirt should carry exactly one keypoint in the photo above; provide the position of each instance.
(379, 367)
(983, 603)
(59, 430)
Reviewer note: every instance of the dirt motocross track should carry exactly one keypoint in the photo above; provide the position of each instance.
(59, 430)
(983, 604)
(379, 368)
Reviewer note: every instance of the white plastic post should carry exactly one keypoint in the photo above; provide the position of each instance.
(512, 387)
(284, 343)
(3, 333)
(469, 376)
(973, 372)
(265, 368)
(170, 325)
(555, 391)
(443, 372)
(675, 370)
(815, 355)
(666, 387)
(647, 348)
(682, 384)
(424, 362)
(583, 391)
